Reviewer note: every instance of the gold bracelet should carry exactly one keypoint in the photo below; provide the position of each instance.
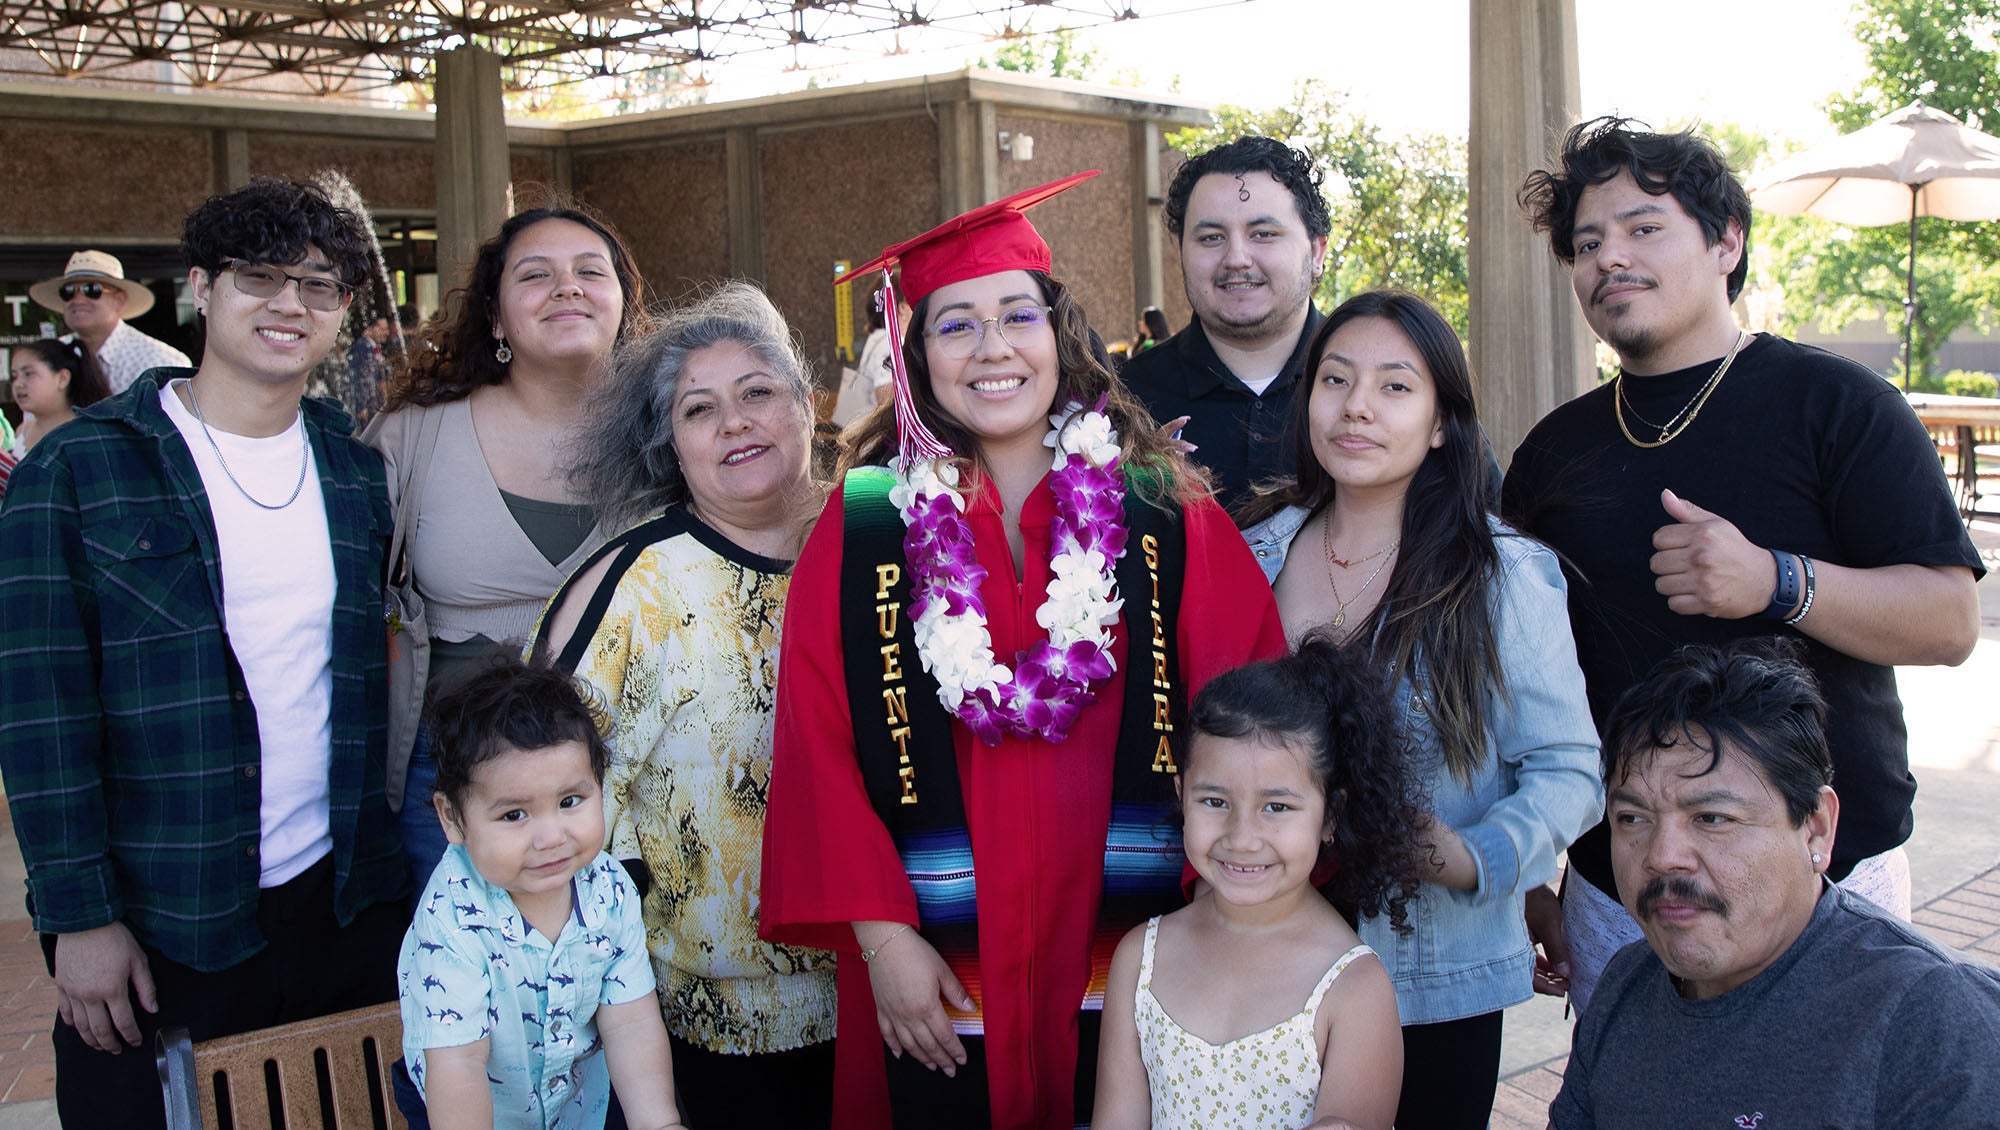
(868, 955)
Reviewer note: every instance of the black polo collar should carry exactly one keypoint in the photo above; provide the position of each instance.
(1206, 373)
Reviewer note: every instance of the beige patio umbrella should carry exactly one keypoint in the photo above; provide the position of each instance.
(1916, 162)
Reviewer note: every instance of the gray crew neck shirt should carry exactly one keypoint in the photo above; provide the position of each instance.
(1863, 1022)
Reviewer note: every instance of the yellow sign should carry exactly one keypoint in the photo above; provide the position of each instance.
(843, 312)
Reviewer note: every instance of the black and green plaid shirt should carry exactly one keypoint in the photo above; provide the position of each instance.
(127, 735)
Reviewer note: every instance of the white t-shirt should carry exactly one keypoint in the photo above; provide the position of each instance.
(1259, 384)
(277, 610)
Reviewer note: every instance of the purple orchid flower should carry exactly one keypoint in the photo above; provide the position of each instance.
(1050, 686)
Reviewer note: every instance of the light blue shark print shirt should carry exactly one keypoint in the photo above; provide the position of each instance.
(472, 968)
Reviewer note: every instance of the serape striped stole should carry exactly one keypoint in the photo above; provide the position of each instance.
(904, 735)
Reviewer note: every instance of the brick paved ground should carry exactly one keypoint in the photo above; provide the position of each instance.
(27, 1008)
(27, 996)
(1967, 917)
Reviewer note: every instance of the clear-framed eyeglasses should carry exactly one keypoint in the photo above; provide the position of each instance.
(259, 280)
(958, 335)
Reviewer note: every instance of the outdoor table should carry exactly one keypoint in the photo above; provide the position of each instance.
(1959, 423)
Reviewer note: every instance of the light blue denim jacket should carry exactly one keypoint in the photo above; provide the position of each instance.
(1539, 790)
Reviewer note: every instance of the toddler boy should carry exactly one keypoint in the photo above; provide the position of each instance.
(524, 977)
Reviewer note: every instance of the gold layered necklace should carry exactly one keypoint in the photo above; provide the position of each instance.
(1682, 419)
(1386, 553)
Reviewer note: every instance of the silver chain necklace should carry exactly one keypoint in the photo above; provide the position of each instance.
(305, 457)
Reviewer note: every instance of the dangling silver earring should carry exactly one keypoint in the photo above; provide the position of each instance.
(503, 354)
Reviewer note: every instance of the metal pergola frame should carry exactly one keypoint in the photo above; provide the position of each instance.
(347, 48)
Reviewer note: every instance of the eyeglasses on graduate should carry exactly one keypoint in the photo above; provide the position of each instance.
(958, 335)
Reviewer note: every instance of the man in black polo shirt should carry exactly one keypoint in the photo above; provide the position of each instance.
(1252, 228)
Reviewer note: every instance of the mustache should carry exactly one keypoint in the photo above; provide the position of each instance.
(1242, 277)
(1622, 278)
(1681, 890)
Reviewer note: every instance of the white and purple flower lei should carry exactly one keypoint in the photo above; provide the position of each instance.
(1050, 682)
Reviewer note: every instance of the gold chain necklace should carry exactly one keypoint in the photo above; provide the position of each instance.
(1385, 553)
(1346, 564)
(1682, 419)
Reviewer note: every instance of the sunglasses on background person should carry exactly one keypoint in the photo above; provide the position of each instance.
(90, 290)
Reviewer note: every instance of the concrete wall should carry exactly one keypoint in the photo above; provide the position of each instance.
(391, 176)
(668, 202)
(842, 192)
(128, 182)
(1088, 228)
(774, 189)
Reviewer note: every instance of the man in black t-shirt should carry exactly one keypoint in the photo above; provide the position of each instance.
(1728, 485)
(1252, 229)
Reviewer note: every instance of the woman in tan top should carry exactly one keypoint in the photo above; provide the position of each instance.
(506, 369)
(702, 435)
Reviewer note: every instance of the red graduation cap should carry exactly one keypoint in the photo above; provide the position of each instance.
(991, 238)
(987, 240)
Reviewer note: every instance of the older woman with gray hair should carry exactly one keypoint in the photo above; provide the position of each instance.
(702, 435)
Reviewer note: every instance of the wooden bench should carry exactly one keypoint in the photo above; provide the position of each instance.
(329, 1073)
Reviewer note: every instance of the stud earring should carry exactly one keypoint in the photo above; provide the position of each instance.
(503, 354)
(1818, 859)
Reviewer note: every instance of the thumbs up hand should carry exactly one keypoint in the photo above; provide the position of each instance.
(1706, 567)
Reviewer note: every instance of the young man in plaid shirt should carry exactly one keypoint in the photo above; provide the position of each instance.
(193, 676)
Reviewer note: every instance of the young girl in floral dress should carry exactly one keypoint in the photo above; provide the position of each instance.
(1294, 761)
(990, 639)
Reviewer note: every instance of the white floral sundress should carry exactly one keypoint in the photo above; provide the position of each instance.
(1268, 1078)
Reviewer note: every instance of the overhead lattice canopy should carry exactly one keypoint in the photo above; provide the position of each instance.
(347, 47)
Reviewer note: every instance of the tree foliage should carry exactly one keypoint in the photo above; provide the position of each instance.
(1947, 53)
(1398, 203)
(1055, 54)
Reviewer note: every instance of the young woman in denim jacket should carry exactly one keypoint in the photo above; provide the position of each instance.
(1382, 537)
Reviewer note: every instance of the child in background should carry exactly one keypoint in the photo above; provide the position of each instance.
(1257, 1004)
(524, 976)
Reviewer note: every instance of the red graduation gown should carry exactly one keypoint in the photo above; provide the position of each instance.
(1037, 812)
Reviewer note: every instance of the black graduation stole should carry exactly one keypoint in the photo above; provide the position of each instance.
(903, 734)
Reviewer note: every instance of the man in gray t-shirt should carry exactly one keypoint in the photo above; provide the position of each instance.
(1764, 998)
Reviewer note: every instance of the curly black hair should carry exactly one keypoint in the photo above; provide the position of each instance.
(1290, 167)
(1685, 165)
(457, 355)
(507, 704)
(1331, 703)
(272, 220)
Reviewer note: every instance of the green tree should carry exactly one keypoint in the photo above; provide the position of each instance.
(1055, 54)
(1398, 203)
(1947, 53)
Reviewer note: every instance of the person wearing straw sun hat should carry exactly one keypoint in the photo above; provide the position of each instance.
(96, 301)
(969, 794)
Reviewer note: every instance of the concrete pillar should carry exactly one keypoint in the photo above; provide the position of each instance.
(1148, 287)
(475, 192)
(745, 203)
(968, 157)
(232, 159)
(1530, 347)
(565, 172)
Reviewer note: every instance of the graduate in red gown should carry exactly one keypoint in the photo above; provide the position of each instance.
(990, 641)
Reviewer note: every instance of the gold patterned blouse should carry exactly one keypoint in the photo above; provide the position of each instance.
(680, 644)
